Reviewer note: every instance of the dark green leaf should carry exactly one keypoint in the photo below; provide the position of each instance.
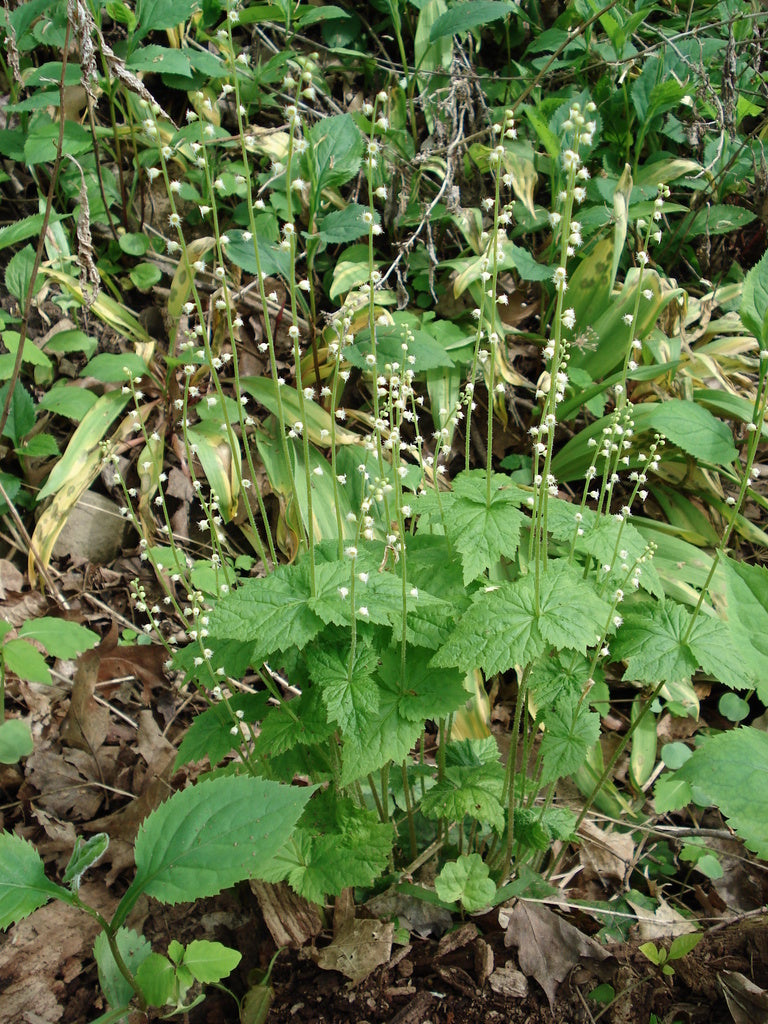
(21, 417)
(468, 15)
(731, 771)
(272, 259)
(348, 689)
(689, 426)
(746, 610)
(274, 612)
(651, 642)
(145, 275)
(61, 638)
(152, 15)
(161, 59)
(68, 400)
(345, 225)
(465, 790)
(427, 353)
(23, 883)
(134, 949)
(26, 661)
(719, 219)
(570, 731)
(336, 845)
(210, 836)
(335, 150)
(210, 733)
(133, 244)
(18, 274)
(754, 301)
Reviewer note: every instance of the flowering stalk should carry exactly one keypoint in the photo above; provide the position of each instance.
(555, 350)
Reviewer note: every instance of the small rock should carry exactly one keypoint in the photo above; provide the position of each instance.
(506, 981)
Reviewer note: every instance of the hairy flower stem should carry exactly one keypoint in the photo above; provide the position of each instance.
(508, 793)
(409, 812)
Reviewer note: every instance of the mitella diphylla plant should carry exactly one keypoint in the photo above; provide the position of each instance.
(369, 637)
(352, 767)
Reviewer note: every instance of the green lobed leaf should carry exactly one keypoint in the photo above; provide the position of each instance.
(210, 733)
(730, 771)
(426, 692)
(387, 735)
(655, 641)
(156, 976)
(467, 790)
(336, 845)
(480, 531)
(571, 614)
(210, 836)
(570, 730)
(23, 883)
(466, 881)
(348, 689)
(303, 721)
(498, 631)
(504, 627)
(274, 611)
(650, 641)
(744, 605)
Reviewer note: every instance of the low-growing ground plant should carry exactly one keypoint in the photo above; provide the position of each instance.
(409, 568)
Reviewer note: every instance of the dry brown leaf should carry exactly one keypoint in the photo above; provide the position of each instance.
(142, 662)
(548, 948)
(605, 855)
(87, 722)
(662, 923)
(360, 948)
(64, 780)
(11, 580)
(20, 607)
(419, 917)
(747, 1002)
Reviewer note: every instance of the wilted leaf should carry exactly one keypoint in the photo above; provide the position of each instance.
(358, 950)
(548, 948)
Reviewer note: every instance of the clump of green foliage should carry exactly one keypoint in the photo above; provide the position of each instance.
(410, 566)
